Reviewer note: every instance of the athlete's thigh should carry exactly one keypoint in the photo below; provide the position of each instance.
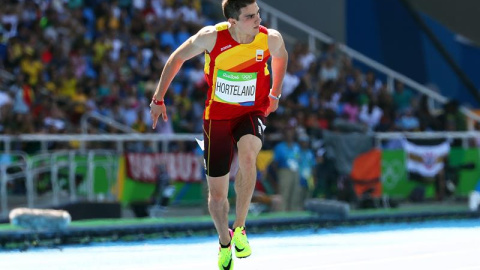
(219, 147)
(218, 186)
(253, 124)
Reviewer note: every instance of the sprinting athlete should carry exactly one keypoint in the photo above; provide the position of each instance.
(240, 96)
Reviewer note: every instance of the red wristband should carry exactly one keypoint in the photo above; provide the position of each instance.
(157, 102)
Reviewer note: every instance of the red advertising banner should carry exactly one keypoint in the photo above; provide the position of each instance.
(184, 167)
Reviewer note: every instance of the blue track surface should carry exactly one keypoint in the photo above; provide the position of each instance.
(435, 245)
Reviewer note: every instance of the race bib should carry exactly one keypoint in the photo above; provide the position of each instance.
(235, 88)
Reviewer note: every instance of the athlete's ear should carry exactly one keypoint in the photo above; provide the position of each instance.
(232, 21)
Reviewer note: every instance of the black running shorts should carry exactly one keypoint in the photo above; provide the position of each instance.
(221, 136)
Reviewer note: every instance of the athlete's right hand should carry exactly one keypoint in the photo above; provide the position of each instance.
(272, 107)
(157, 111)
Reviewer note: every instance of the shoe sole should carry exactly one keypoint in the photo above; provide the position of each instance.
(243, 257)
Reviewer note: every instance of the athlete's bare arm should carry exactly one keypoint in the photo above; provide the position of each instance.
(279, 65)
(202, 41)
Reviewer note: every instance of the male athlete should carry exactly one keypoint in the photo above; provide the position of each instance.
(239, 98)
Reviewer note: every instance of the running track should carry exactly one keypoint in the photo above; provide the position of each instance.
(433, 245)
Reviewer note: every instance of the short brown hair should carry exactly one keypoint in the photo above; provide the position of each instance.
(231, 8)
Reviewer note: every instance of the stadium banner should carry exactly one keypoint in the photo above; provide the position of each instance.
(395, 177)
(184, 167)
(137, 176)
(131, 190)
(426, 160)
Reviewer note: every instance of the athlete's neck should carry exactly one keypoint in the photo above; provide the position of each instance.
(240, 37)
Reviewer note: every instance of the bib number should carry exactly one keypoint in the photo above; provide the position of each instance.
(237, 88)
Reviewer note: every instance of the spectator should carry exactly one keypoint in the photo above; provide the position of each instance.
(428, 122)
(328, 71)
(290, 82)
(306, 167)
(350, 109)
(402, 98)
(286, 158)
(452, 118)
(370, 115)
(385, 103)
(372, 84)
(304, 56)
(325, 172)
(408, 121)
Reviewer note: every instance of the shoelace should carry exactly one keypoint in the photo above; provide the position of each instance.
(225, 255)
(243, 240)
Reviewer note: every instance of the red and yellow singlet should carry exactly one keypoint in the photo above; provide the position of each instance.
(237, 75)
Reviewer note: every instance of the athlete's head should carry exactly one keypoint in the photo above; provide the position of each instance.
(243, 14)
(231, 8)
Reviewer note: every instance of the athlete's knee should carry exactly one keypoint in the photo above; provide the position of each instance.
(217, 197)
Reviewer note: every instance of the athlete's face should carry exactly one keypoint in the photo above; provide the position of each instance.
(249, 19)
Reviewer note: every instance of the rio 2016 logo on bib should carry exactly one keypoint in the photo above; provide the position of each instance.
(236, 88)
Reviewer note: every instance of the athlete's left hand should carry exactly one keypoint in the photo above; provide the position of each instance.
(273, 106)
(157, 111)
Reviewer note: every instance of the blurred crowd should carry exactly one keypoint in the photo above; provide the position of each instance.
(62, 61)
